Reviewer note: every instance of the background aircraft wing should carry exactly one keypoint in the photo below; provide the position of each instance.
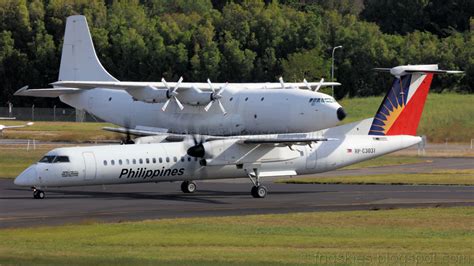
(127, 85)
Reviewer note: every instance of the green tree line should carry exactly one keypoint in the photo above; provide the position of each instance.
(239, 41)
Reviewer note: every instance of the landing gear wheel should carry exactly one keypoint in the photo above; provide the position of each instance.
(188, 187)
(38, 194)
(259, 192)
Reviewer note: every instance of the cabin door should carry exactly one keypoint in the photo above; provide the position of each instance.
(89, 166)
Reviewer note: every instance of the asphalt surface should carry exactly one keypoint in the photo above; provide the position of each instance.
(115, 203)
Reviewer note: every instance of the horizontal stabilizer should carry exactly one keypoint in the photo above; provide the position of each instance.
(410, 69)
(46, 92)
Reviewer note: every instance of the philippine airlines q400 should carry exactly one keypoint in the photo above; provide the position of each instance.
(209, 157)
(183, 107)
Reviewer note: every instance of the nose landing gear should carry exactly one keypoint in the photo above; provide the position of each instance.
(38, 194)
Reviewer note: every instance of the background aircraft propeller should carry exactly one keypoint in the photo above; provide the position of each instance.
(172, 93)
(216, 97)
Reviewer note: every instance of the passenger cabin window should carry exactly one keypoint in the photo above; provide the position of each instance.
(154, 160)
(105, 162)
(147, 160)
(167, 159)
(161, 160)
(128, 161)
(141, 161)
(175, 159)
(112, 162)
(182, 159)
(120, 161)
(134, 161)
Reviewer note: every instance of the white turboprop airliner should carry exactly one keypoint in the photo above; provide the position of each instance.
(184, 107)
(392, 128)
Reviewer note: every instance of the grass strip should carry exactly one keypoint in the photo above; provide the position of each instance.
(404, 236)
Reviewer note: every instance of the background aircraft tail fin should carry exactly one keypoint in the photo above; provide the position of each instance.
(401, 109)
(79, 60)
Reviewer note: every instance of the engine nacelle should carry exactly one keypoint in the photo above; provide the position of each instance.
(149, 94)
(230, 151)
(195, 96)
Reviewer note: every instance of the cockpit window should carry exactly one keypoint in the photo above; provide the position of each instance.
(54, 159)
(61, 159)
(313, 101)
(47, 159)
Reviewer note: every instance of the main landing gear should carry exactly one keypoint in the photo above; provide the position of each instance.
(258, 191)
(188, 186)
(38, 194)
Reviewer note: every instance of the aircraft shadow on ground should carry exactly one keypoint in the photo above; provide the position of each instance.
(201, 196)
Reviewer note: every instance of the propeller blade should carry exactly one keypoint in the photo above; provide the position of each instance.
(319, 84)
(165, 105)
(208, 106)
(222, 89)
(307, 84)
(177, 84)
(222, 107)
(164, 82)
(178, 102)
(210, 85)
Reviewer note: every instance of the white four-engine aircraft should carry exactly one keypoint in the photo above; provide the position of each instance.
(184, 107)
(182, 158)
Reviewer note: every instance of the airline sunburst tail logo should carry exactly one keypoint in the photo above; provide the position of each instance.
(400, 111)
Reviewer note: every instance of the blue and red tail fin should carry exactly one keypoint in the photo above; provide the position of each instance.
(401, 109)
(402, 106)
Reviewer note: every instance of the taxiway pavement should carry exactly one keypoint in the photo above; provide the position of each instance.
(115, 203)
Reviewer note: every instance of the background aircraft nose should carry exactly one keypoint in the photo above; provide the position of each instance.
(27, 177)
(341, 114)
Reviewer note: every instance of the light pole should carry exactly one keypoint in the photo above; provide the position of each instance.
(332, 67)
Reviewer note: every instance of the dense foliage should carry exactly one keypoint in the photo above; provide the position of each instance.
(240, 41)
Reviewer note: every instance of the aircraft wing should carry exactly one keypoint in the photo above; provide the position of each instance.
(46, 92)
(285, 141)
(127, 85)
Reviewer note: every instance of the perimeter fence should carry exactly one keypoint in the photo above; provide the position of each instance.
(47, 114)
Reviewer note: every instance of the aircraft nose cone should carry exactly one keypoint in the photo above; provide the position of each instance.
(27, 177)
(341, 114)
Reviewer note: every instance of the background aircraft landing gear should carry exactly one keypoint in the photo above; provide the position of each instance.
(257, 191)
(38, 194)
(188, 186)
